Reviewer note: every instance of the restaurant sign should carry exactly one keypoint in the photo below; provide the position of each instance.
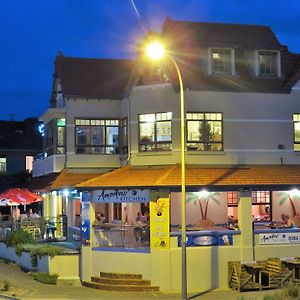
(279, 238)
(121, 196)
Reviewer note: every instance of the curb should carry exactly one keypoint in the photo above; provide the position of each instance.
(2, 296)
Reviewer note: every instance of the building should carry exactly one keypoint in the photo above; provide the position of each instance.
(118, 123)
(20, 141)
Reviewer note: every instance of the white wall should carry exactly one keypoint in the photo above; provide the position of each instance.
(254, 125)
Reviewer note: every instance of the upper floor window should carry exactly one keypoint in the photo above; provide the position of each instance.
(2, 165)
(97, 136)
(296, 119)
(268, 63)
(55, 132)
(221, 61)
(124, 136)
(155, 132)
(204, 131)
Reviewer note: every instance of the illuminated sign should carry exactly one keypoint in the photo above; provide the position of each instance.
(41, 129)
(121, 196)
(61, 122)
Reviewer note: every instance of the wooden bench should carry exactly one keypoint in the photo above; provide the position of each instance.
(239, 278)
(275, 274)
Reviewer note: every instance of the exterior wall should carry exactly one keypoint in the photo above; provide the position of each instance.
(254, 125)
(50, 164)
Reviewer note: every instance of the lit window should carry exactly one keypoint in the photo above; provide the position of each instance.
(204, 131)
(28, 163)
(97, 136)
(155, 132)
(296, 119)
(2, 165)
(55, 132)
(268, 64)
(233, 198)
(221, 61)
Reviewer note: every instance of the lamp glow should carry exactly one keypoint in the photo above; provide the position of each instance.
(155, 50)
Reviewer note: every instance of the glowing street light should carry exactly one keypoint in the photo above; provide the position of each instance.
(155, 51)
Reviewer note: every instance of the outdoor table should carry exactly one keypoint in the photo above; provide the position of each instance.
(254, 270)
(293, 265)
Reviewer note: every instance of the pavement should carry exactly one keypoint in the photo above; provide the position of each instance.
(24, 287)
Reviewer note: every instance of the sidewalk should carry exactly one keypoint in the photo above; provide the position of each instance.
(24, 287)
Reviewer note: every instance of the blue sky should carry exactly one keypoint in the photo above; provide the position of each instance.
(33, 31)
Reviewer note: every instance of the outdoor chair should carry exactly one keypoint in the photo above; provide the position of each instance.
(275, 274)
(240, 279)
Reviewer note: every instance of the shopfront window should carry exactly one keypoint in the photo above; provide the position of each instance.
(97, 136)
(155, 132)
(204, 131)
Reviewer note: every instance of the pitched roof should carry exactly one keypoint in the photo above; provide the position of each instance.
(42, 183)
(93, 78)
(223, 177)
(68, 179)
(186, 39)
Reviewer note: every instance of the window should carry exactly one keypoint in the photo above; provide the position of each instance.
(55, 132)
(221, 61)
(233, 198)
(97, 136)
(204, 131)
(296, 119)
(268, 63)
(155, 132)
(28, 163)
(2, 165)
(124, 136)
(261, 205)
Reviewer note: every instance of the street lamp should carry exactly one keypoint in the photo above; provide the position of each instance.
(155, 51)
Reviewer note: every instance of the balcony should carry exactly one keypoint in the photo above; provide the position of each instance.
(46, 165)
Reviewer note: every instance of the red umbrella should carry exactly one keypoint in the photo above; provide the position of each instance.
(21, 196)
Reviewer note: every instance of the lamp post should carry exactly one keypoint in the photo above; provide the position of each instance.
(155, 51)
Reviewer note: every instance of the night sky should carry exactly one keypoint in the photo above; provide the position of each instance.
(33, 31)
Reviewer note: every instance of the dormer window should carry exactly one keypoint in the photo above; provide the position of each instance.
(268, 63)
(221, 61)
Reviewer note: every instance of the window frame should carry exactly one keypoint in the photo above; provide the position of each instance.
(155, 143)
(204, 142)
(89, 145)
(294, 131)
(276, 54)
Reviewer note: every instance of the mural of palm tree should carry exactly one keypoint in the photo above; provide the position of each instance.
(291, 197)
(203, 199)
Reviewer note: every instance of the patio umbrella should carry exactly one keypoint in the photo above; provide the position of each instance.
(20, 196)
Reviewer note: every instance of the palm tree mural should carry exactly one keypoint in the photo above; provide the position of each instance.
(203, 199)
(291, 197)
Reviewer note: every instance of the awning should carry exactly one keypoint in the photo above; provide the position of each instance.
(70, 178)
(274, 177)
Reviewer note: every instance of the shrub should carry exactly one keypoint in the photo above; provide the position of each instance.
(6, 286)
(292, 291)
(19, 237)
(45, 278)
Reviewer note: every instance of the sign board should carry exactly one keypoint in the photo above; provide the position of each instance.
(121, 196)
(279, 238)
(85, 224)
(160, 224)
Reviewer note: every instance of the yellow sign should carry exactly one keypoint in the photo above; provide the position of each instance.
(160, 224)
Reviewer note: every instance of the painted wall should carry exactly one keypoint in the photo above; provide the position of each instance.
(216, 213)
(252, 128)
(281, 204)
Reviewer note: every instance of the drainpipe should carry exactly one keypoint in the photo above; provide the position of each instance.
(128, 131)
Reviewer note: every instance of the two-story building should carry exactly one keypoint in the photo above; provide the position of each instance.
(113, 131)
